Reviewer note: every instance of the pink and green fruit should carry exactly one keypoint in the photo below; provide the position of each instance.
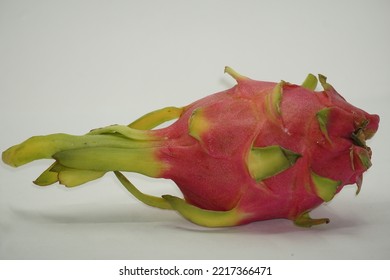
(257, 151)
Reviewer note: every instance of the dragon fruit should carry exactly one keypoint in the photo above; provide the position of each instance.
(257, 151)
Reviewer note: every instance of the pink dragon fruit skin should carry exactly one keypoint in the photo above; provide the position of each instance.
(257, 151)
(239, 120)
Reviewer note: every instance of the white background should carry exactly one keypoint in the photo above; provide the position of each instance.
(70, 66)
